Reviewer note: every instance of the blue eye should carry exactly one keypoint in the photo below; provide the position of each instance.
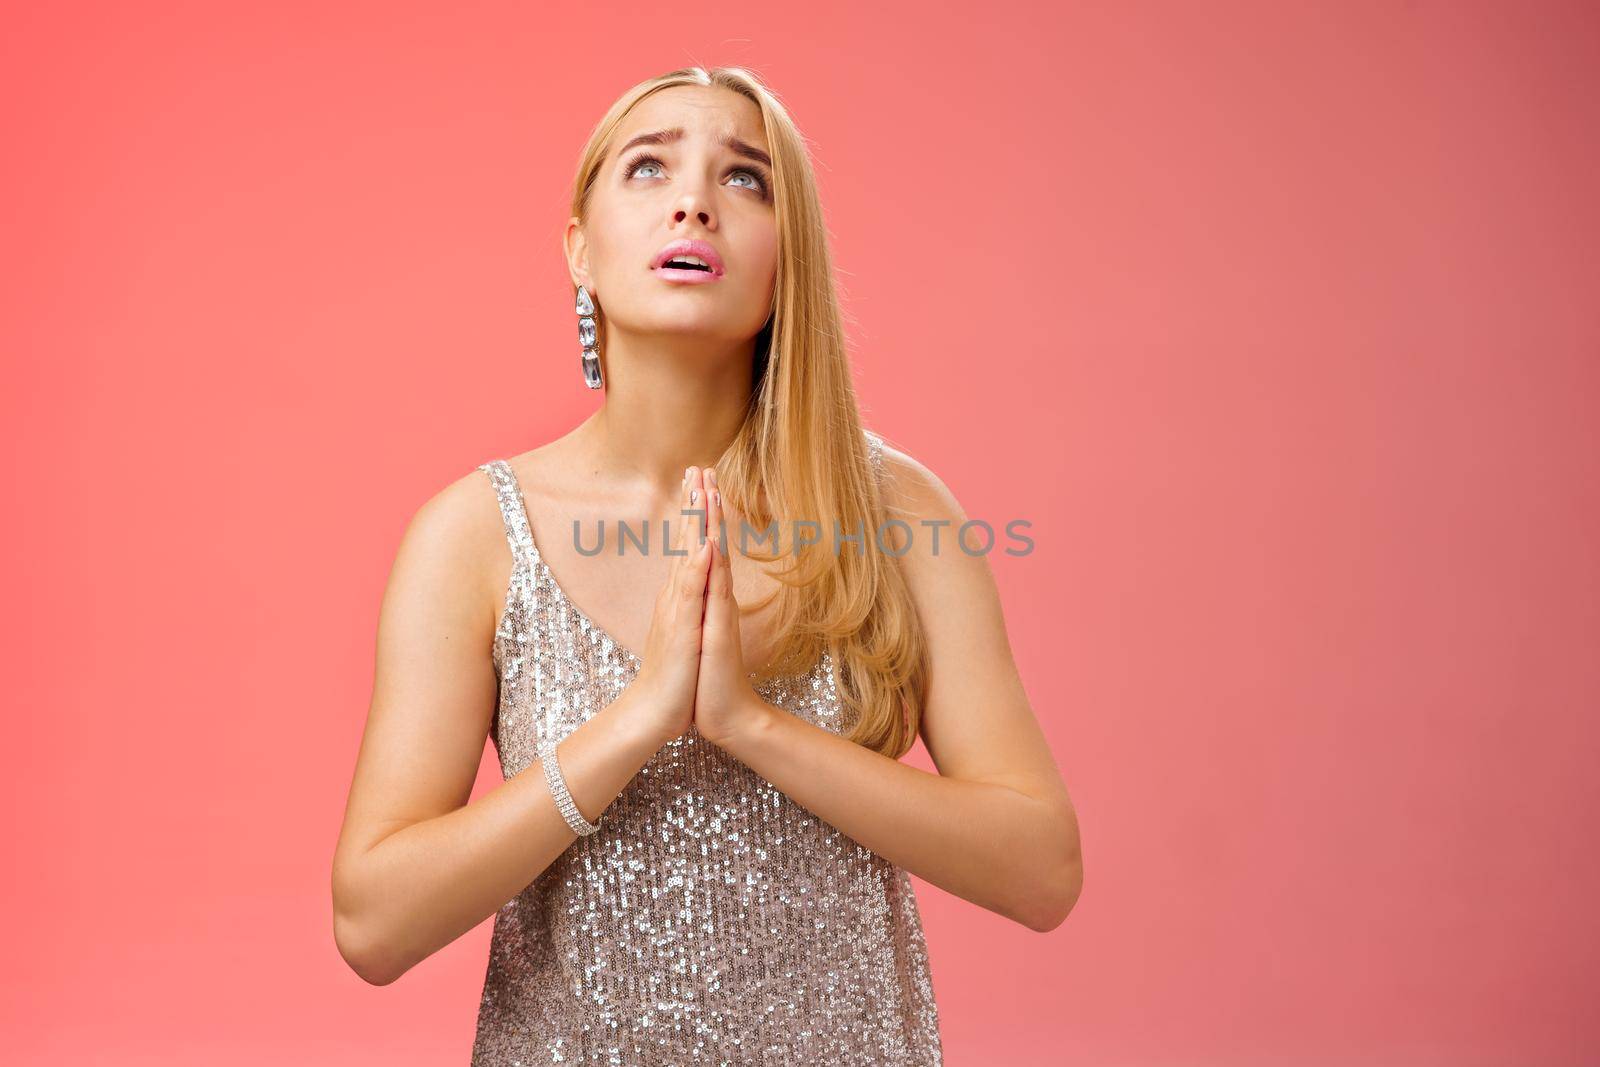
(639, 162)
(760, 186)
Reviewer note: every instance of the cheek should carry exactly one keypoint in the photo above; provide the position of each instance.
(617, 242)
(607, 257)
(764, 258)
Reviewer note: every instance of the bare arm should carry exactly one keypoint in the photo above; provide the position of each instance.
(996, 825)
(417, 865)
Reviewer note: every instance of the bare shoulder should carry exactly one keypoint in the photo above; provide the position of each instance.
(459, 519)
(455, 540)
(463, 519)
(915, 487)
(918, 497)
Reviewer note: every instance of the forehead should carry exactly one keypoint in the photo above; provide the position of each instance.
(704, 112)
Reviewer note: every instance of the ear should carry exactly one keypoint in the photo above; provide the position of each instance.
(575, 243)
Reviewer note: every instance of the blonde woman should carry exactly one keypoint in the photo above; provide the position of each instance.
(702, 845)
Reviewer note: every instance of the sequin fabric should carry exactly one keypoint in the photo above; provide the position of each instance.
(711, 919)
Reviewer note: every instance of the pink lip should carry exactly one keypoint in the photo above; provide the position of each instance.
(685, 274)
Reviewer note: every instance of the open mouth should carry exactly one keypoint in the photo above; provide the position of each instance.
(688, 260)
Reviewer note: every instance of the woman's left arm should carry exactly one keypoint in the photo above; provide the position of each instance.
(995, 826)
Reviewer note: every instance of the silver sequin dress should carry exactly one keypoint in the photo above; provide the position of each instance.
(711, 919)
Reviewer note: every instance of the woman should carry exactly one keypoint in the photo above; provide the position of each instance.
(702, 844)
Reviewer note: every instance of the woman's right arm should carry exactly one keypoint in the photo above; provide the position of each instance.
(417, 865)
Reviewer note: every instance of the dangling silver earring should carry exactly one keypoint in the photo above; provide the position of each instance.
(586, 337)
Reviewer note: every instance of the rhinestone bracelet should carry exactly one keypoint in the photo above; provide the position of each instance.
(564, 801)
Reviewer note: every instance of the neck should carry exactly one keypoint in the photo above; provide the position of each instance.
(671, 403)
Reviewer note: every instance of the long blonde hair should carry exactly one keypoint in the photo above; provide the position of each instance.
(801, 453)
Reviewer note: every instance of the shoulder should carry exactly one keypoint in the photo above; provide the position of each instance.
(924, 520)
(913, 492)
(469, 512)
(462, 513)
(454, 540)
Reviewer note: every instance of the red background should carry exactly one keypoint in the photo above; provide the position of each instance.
(1278, 321)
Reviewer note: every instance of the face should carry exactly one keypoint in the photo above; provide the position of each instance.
(689, 187)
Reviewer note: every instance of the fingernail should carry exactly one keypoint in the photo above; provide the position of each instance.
(694, 496)
(711, 475)
(687, 472)
(716, 498)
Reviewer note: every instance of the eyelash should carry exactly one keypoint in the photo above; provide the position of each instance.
(639, 161)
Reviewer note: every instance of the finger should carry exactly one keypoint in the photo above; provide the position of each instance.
(714, 509)
(719, 634)
(677, 536)
(681, 534)
(695, 562)
(692, 582)
(721, 619)
(691, 479)
(698, 508)
(724, 558)
(717, 588)
(713, 526)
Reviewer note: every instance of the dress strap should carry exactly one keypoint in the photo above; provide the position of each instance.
(513, 511)
(875, 451)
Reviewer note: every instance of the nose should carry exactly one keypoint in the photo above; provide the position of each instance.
(691, 206)
(695, 203)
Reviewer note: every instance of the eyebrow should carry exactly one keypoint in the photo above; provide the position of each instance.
(740, 148)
